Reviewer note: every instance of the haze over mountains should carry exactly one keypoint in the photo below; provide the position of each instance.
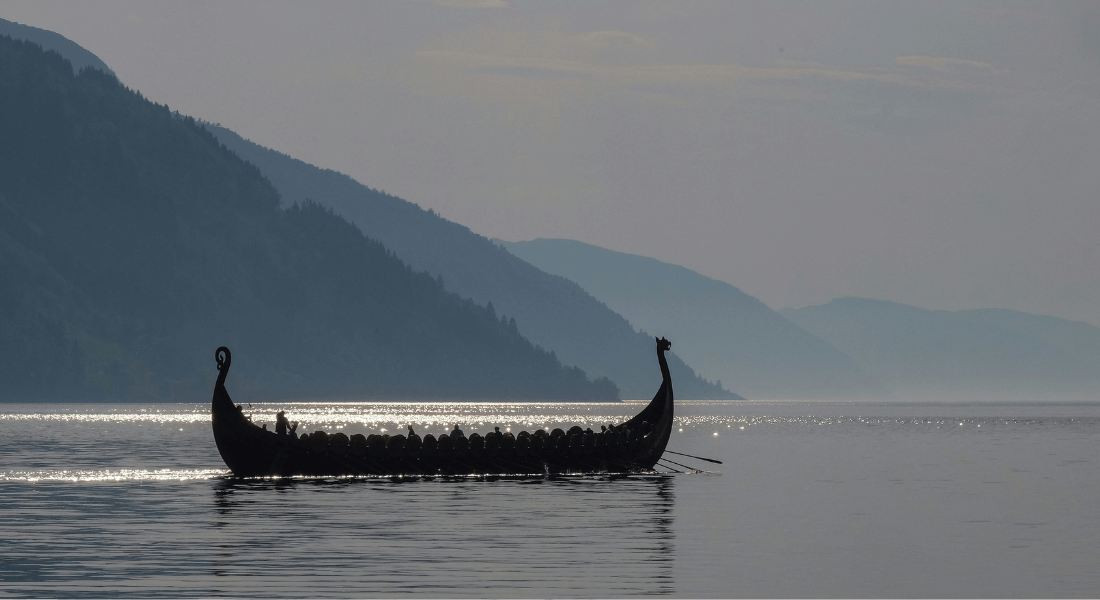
(132, 241)
(132, 244)
(551, 311)
(959, 355)
(722, 331)
(848, 348)
(473, 265)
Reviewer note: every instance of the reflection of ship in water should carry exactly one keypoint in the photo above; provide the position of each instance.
(664, 536)
(589, 536)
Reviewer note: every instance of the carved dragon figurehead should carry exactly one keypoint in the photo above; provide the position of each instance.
(224, 359)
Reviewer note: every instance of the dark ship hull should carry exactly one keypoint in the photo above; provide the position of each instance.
(631, 447)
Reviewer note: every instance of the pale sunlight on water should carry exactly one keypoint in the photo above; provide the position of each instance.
(814, 499)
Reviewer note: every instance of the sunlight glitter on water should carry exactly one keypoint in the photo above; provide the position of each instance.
(439, 417)
(142, 417)
(113, 475)
(375, 416)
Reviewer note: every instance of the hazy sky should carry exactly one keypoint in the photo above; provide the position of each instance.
(945, 155)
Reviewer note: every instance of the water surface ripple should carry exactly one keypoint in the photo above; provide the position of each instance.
(814, 499)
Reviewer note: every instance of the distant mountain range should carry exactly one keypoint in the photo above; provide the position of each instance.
(133, 243)
(573, 316)
(719, 329)
(848, 348)
(967, 354)
(551, 311)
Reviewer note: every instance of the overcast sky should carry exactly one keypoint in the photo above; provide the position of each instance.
(945, 155)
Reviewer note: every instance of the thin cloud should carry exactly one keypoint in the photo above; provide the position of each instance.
(469, 4)
(946, 65)
(464, 67)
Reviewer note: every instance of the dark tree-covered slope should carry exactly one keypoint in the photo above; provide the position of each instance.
(550, 310)
(132, 244)
(49, 40)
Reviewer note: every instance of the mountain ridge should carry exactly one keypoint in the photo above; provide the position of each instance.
(730, 334)
(76, 54)
(133, 243)
(961, 354)
(551, 311)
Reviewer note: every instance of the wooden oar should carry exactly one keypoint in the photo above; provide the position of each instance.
(679, 465)
(697, 457)
(670, 468)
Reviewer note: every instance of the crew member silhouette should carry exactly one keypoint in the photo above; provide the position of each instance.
(282, 425)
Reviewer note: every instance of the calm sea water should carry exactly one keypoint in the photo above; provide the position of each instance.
(837, 499)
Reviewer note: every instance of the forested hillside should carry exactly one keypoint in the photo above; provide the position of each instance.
(132, 244)
(549, 310)
(50, 40)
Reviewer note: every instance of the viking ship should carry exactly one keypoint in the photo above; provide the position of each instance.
(633, 446)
